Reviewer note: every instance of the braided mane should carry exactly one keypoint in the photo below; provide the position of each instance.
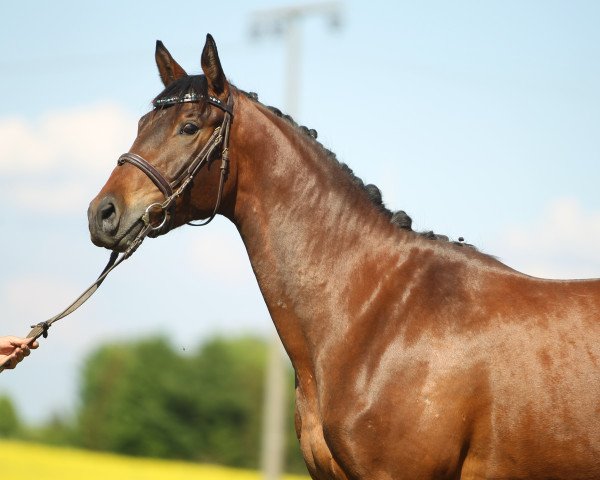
(399, 218)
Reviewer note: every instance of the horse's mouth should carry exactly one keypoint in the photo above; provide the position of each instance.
(122, 241)
(118, 242)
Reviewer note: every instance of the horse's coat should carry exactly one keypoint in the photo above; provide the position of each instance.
(414, 358)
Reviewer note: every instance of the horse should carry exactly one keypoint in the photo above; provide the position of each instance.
(414, 358)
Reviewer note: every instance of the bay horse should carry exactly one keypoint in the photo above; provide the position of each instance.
(414, 358)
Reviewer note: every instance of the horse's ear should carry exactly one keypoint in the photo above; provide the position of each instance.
(211, 66)
(168, 68)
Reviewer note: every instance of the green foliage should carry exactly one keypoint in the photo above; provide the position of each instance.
(58, 430)
(145, 398)
(9, 419)
(227, 384)
(130, 402)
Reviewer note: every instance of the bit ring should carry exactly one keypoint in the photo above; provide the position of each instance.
(146, 216)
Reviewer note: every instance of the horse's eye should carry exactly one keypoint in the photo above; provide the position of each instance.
(189, 129)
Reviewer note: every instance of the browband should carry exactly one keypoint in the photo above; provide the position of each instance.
(190, 98)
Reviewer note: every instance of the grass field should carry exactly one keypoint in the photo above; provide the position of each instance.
(40, 462)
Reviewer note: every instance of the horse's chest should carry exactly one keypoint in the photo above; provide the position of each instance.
(340, 441)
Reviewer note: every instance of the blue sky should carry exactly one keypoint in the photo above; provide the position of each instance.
(480, 119)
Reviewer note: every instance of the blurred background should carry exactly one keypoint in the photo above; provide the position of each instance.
(480, 119)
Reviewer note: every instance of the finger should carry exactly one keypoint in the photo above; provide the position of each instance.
(16, 341)
(19, 341)
(18, 354)
(29, 344)
(24, 342)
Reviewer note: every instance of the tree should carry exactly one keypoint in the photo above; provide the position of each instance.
(145, 398)
(228, 388)
(9, 419)
(130, 402)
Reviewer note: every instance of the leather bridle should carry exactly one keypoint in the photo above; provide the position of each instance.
(175, 188)
(172, 190)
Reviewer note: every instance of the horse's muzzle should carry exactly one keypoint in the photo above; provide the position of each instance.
(104, 219)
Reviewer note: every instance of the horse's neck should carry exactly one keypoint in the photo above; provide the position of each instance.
(306, 227)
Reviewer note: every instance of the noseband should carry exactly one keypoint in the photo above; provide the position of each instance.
(175, 188)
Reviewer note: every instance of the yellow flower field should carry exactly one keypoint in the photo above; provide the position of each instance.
(40, 462)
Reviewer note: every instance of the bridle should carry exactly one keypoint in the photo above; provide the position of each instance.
(172, 190)
(175, 188)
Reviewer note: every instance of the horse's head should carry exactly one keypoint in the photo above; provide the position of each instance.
(168, 177)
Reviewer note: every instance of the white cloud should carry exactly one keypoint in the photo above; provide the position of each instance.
(84, 139)
(56, 163)
(49, 198)
(563, 243)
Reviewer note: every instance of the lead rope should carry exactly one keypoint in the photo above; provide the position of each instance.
(41, 329)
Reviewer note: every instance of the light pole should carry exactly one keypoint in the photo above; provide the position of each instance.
(284, 21)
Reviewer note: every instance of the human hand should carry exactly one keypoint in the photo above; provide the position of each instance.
(14, 349)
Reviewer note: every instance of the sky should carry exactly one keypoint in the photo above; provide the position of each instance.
(480, 119)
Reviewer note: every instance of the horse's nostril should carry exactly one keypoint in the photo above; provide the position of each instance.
(107, 216)
(107, 211)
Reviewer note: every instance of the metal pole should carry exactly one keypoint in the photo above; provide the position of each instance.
(273, 439)
(292, 77)
(277, 21)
